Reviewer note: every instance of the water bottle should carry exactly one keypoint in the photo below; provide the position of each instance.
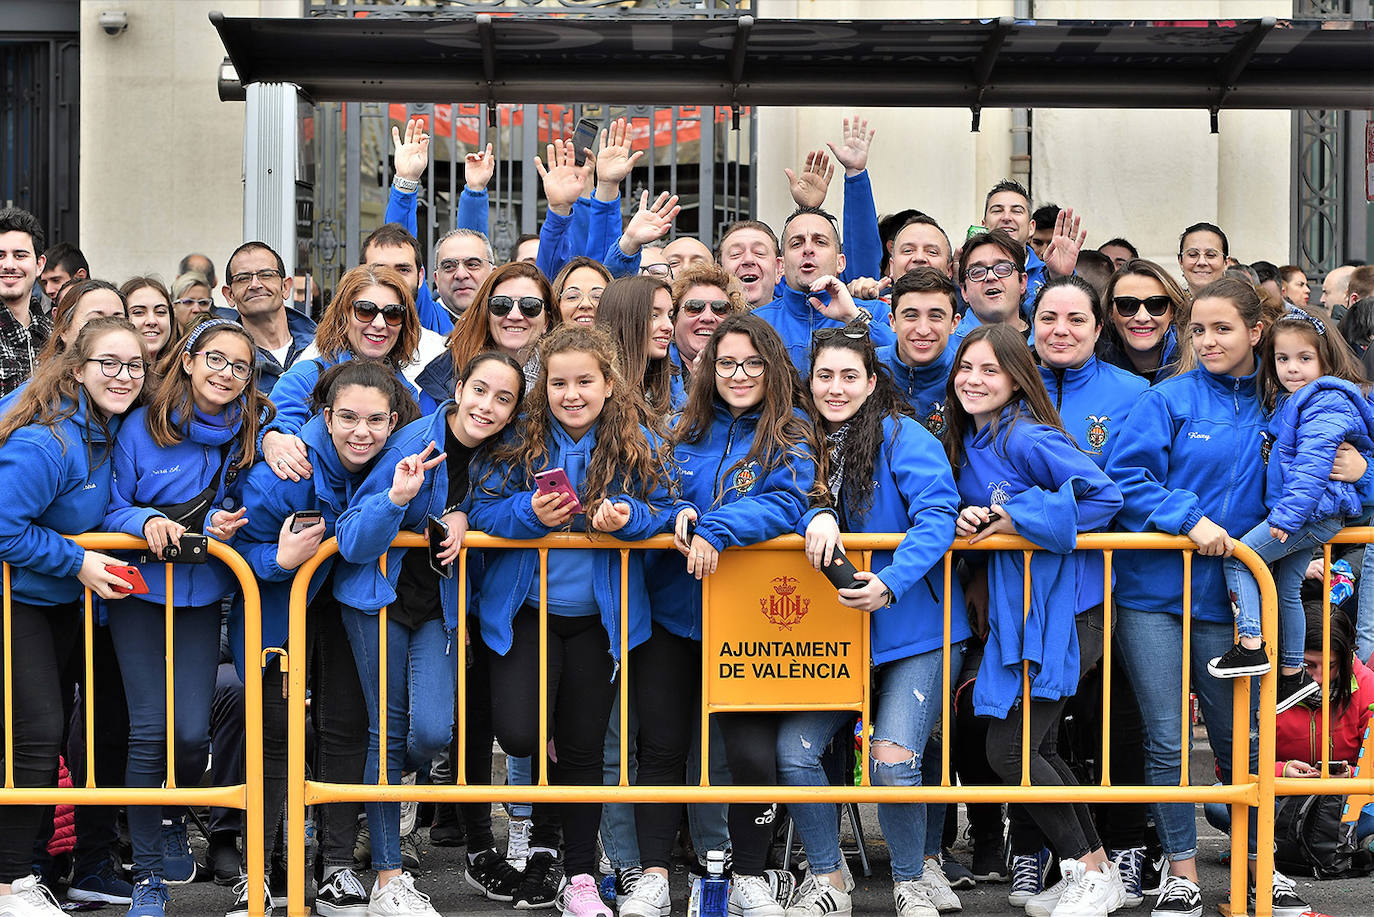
(715, 888)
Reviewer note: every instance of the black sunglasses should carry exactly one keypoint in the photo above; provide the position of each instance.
(500, 306)
(698, 306)
(366, 312)
(821, 335)
(1127, 306)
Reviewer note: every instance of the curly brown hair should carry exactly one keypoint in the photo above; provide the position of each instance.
(331, 337)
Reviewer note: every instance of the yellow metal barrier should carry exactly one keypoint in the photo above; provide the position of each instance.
(1247, 788)
(247, 796)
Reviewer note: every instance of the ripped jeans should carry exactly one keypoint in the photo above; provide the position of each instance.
(906, 701)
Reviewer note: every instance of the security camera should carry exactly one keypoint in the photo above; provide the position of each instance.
(113, 21)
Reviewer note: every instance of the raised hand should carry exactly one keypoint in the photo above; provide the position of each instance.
(615, 159)
(1061, 255)
(809, 188)
(410, 474)
(478, 168)
(650, 223)
(563, 178)
(852, 152)
(411, 154)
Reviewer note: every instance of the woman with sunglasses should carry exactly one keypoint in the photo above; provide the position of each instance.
(509, 314)
(704, 295)
(1145, 302)
(372, 317)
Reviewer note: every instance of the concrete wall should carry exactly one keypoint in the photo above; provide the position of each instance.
(161, 155)
(1134, 173)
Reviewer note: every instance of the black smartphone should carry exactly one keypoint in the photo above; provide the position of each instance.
(584, 138)
(992, 517)
(840, 571)
(189, 549)
(437, 531)
(691, 529)
(304, 519)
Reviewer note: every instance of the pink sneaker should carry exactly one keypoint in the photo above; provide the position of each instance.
(580, 898)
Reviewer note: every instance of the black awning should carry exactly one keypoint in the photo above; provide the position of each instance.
(997, 63)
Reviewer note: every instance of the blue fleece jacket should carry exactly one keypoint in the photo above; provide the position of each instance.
(292, 394)
(270, 501)
(54, 480)
(795, 319)
(736, 505)
(863, 244)
(1036, 275)
(1093, 401)
(681, 378)
(302, 330)
(913, 492)
(148, 476)
(473, 213)
(926, 387)
(1193, 449)
(562, 238)
(1305, 431)
(1052, 492)
(502, 506)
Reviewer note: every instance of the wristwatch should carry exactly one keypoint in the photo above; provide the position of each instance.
(408, 185)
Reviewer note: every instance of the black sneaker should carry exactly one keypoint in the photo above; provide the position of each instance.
(410, 852)
(1240, 662)
(490, 874)
(1286, 900)
(225, 861)
(446, 830)
(957, 873)
(1294, 689)
(1178, 897)
(342, 895)
(541, 883)
(989, 861)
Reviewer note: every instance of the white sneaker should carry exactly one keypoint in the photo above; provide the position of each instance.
(518, 842)
(939, 891)
(30, 898)
(1042, 905)
(913, 899)
(399, 898)
(649, 898)
(408, 809)
(821, 899)
(752, 896)
(1097, 892)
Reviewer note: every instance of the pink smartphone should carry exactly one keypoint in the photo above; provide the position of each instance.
(555, 480)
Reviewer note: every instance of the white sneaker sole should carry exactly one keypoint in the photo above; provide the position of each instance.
(1245, 672)
(1297, 697)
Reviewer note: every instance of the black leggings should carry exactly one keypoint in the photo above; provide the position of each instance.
(1068, 826)
(581, 689)
(45, 636)
(665, 675)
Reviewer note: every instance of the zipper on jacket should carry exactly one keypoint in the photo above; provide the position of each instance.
(725, 453)
(1059, 389)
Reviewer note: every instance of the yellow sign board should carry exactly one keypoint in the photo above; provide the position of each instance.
(776, 636)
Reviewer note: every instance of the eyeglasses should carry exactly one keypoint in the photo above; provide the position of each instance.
(111, 367)
(1003, 269)
(366, 312)
(753, 367)
(1210, 254)
(698, 306)
(471, 265)
(663, 269)
(1127, 306)
(821, 335)
(194, 303)
(573, 295)
(266, 275)
(216, 361)
(347, 420)
(500, 306)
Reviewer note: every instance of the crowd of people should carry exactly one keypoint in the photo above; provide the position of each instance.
(727, 391)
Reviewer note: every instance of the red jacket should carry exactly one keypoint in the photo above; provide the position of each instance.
(1299, 729)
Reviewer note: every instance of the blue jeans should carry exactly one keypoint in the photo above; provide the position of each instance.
(906, 704)
(137, 629)
(706, 821)
(1364, 617)
(422, 676)
(1150, 648)
(519, 772)
(1290, 559)
(618, 818)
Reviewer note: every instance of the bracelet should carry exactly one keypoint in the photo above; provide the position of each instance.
(408, 185)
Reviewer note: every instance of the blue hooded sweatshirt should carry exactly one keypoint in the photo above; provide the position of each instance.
(270, 501)
(502, 507)
(1305, 432)
(736, 505)
(913, 492)
(55, 480)
(1093, 402)
(148, 476)
(1193, 449)
(1052, 491)
(925, 387)
(795, 319)
(473, 213)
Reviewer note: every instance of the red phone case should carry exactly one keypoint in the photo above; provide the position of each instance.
(555, 480)
(131, 576)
